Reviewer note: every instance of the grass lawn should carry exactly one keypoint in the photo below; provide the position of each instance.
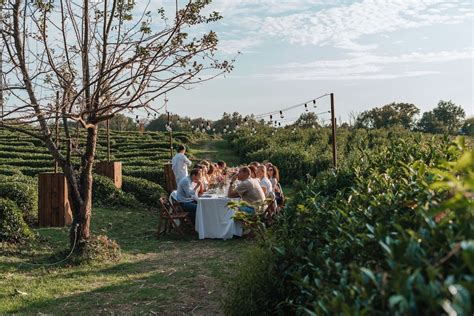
(165, 276)
(171, 276)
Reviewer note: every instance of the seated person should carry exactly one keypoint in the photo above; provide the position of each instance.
(248, 189)
(189, 189)
(253, 171)
(222, 166)
(264, 181)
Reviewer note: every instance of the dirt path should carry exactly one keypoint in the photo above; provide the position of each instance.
(215, 150)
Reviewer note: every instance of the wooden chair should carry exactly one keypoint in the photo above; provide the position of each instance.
(271, 210)
(170, 217)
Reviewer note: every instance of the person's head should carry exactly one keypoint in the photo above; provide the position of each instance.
(195, 175)
(273, 172)
(205, 163)
(261, 172)
(253, 171)
(197, 166)
(254, 163)
(221, 164)
(211, 170)
(181, 149)
(244, 173)
(204, 170)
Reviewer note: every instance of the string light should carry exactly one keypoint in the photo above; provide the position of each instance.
(314, 103)
(281, 114)
(306, 107)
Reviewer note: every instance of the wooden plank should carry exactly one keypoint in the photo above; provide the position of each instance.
(41, 198)
(118, 174)
(47, 199)
(67, 213)
(60, 199)
(55, 199)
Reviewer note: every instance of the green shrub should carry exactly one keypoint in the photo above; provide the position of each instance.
(24, 195)
(154, 174)
(104, 193)
(392, 232)
(253, 290)
(145, 191)
(12, 226)
(9, 171)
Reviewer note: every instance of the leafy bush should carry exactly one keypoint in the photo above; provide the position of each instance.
(153, 174)
(12, 226)
(9, 171)
(254, 288)
(104, 193)
(390, 233)
(24, 195)
(145, 191)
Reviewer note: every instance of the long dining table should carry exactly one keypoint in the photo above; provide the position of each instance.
(214, 218)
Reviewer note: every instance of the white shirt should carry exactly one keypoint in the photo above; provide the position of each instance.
(265, 183)
(180, 165)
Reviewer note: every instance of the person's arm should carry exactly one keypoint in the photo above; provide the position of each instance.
(187, 161)
(264, 189)
(232, 192)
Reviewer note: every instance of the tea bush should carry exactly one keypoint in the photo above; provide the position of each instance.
(104, 193)
(25, 196)
(145, 191)
(12, 226)
(392, 232)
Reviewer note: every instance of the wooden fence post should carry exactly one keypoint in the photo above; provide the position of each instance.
(112, 170)
(53, 202)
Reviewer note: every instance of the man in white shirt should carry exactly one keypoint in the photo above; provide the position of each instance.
(189, 189)
(180, 164)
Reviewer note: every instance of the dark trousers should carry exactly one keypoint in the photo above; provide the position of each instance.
(190, 207)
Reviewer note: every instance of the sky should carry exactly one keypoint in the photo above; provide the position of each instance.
(368, 53)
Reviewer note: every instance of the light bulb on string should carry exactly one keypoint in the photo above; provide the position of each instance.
(314, 103)
(281, 114)
(306, 107)
(225, 130)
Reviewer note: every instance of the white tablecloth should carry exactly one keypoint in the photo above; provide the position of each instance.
(214, 219)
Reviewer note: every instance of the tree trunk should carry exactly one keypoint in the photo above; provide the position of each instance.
(82, 203)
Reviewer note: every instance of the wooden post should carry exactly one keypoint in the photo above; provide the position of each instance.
(171, 136)
(112, 170)
(53, 203)
(333, 123)
(56, 165)
(170, 180)
(141, 127)
(107, 125)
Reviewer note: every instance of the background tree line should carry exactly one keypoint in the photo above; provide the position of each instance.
(445, 118)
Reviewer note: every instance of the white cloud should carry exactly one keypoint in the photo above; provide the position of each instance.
(370, 59)
(365, 66)
(342, 26)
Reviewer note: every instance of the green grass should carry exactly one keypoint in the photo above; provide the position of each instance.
(169, 275)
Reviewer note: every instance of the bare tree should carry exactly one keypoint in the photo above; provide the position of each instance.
(84, 61)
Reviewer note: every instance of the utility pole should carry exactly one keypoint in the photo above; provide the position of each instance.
(333, 123)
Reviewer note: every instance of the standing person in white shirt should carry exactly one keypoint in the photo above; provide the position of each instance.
(180, 164)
